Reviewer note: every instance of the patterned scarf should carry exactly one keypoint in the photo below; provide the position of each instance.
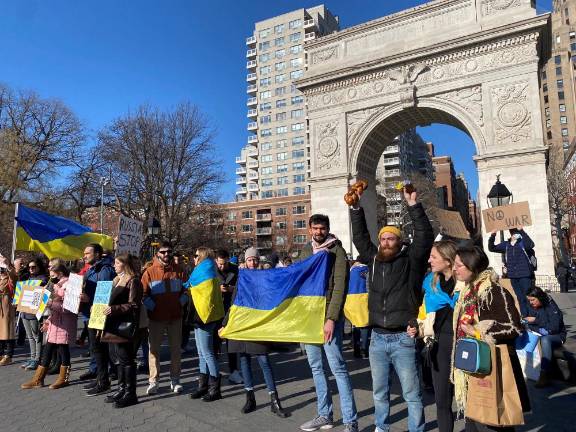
(317, 247)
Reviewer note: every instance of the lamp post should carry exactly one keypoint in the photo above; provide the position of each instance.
(104, 181)
(499, 195)
(153, 226)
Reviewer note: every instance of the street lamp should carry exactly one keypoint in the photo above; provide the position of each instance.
(498, 196)
(153, 227)
(104, 181)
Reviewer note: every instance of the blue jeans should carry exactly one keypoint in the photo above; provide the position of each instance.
(361, 338)
(399, 350)
(548, 344)
(521, 287)
(333, 351)
(246, 369)
(204, 335)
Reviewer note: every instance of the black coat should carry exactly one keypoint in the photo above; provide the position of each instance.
(395, 287)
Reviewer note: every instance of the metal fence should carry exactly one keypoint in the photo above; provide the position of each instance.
(548, 283)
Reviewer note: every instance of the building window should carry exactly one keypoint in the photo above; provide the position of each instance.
(280, 240)
(265, 70)
(296, 62)
(564, 132)
(282, 225)
(561, 95)
(264, 57)
(296, 74)
(297, 100)
(281, 116)
(282, 180)
(300, 239)
(557, 39)
(282, 169)
(279, 91)
(297, 126)
(279, 41)
(247, 214)
(299, 224)
(282, 192)
(246, 228)
(281, 211)
(265, 81)
(231, 215)
(265, 119)
(266, 158)
(265, 94)
(280, 103)
(543, 75)
(559, 70)
(231, 229)
(298, 166)
(545, 98)
(281, 156)
(297, 113)
(295, 49)
(298, 178)
(265, 32)
(267, 194)
(266, 170)
(549, 135)
(572, 35)
(282, 143)
(278, 28)
(295, 37)
(267, 182)
(563, 119)
(266, 132)
(280, 78)
(266, 106)
(297, 154)
(280, 66)
(562, 108)
(295, 24)
(548, 123)
(557, 59)
(300, 209)
(547, 111)
(573, 47)
(296, 141)
(266, 146)
(263, 46)
(280, 53)
(281, 130)
(560, 83)
(544, 87)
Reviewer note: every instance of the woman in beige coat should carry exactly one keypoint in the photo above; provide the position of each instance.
(7, 311)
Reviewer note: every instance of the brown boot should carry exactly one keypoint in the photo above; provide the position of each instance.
(6, 360)
(63, 379)
(38, 380)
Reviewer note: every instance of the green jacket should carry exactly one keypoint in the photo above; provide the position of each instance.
(338, 282)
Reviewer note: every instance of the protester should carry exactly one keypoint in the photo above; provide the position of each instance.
(259, 349)
(396, 272)
(100, 270)
(517, 251)
(485, 310)
(207, 318)
(545, 317)
(440, 296)
(323, 240)
(22, 274)
(60, 328)
(8, 278)
(163, 298)
(36, 271)
(228, 276)
(122, 325)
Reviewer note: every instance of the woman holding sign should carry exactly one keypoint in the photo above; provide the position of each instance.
(7, 312)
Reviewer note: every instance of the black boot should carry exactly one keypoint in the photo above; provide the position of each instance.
(250, 404)
(213, 389)
(117, 395)
(102, 386)
(129, 397)
(275, 406)
(202, 387)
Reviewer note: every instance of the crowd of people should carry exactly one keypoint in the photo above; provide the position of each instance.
(420, 293)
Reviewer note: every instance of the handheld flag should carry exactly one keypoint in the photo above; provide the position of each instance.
(356, 305)
(281, 305)
(54, 236)
(205, 291)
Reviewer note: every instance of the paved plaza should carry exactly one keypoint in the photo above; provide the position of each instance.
(69, 410)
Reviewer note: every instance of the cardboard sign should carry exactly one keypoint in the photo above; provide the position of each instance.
(129, 236)
(43, 303)
(451, 223)
(507, 217)
(72, 294)
(30, 298)
(101, 300)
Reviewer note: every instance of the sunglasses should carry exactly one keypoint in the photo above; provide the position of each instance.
(163, 252)
(32, 267)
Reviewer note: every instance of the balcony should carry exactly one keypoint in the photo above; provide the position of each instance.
(264, 245)
(391, 149)
(391, 161)
(252, 88)
(252, 113)
(251, 40)
(253, 187)
(253, 164)
(252, 101)
(309, 23)
(240, 180)
(251, 77)
(240, 190)
(241, 159)
(253, 175)
(253, 152)
(393, 209)
(392, 173)
(240, 170)
(310, 36)
(251, 53)
(263, 231)
(253, 139)
(251, 64)
(264, 217)
(252, 126)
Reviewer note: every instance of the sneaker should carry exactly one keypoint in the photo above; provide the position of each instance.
(32, 365)
(351, 427)
(176, 387)
(152, 388)
(235, 378)
(26, 364)
(319, 422)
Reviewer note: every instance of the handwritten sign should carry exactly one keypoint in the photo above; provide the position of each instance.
(101, 300)
(30, 298)
(72, 294)
(507, 217)
(451, 223)
(129, 236)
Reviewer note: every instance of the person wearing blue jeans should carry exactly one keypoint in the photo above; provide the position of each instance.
(323, 240)
(398, 350)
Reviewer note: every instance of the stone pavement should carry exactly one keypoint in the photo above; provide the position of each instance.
(69, 410)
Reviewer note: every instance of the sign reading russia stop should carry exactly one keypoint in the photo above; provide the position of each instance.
(129, 236)
(506, 217)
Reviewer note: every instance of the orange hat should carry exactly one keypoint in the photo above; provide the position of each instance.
(390, 229)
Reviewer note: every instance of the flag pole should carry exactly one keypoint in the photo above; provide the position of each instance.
(14, 234)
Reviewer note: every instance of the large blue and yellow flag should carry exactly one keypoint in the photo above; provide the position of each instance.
(204, 288)
(356, 305)
(54, 236)
(281, 305)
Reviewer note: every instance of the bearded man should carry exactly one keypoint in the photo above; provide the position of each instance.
(396, 273)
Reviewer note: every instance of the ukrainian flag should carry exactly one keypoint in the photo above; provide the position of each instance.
(356, 305)
(282, 304)
(204, 288)
(54, 236)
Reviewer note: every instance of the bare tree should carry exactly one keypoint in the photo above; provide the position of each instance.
(559, 201)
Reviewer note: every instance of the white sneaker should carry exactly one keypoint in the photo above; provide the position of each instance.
(235, 378)
(152, 388)
(176, 387)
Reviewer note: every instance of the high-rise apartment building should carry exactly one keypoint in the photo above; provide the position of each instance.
(274, 161)
(557, 80)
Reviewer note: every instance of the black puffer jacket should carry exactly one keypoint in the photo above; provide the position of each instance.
(395, 287)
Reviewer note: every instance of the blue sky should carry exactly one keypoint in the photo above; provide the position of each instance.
(103, 58)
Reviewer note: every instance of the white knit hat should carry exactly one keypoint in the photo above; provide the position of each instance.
(251, 252)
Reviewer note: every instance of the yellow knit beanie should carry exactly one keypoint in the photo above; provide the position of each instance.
(390, 229)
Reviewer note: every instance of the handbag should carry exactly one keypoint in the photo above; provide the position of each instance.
(472, 356)
(123, 329)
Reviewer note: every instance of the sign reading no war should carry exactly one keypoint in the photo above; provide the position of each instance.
(506, 217)
(129, 236)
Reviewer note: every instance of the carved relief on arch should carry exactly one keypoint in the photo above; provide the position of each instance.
(490, 7)
(512, 117)
(469, 99)
(328, 148)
